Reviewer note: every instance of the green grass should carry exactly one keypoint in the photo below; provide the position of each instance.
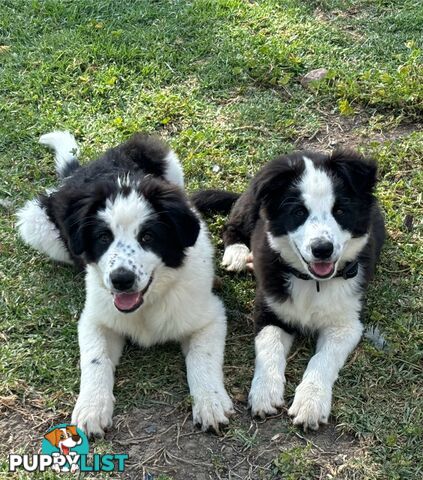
(220, 80)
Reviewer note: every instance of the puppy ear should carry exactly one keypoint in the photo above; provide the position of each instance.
(76, 219)
(172, 205)
(185, 223)
(82, 205)
(358, 172)
(274, 178)
(52, 437)
(72, 429)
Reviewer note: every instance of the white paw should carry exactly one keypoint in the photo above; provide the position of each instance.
(235, 257)
(212, 409)
(311, 405)
(74, 468)
(266, 395)
(93, 413)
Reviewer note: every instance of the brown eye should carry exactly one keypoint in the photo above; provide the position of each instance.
(105, 237)
(146, 237)
(300, 212)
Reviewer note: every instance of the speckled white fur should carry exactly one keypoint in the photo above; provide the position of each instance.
(179, 306)
(125, 216)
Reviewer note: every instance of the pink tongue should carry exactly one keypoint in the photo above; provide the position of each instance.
(322, 269)
(127, 301)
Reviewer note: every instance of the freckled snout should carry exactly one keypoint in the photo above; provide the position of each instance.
(122, 279)
(322, 249)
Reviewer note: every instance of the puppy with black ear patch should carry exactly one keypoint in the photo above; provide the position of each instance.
(315, 232)
(149, 269)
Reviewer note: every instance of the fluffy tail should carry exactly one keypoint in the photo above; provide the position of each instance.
(66, 151)
(214, 201)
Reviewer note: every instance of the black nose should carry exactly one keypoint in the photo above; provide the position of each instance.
(321, 249)
(122, 279)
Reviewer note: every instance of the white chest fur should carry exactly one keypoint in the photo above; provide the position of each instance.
(338, 302)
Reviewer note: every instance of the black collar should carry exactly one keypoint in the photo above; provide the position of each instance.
(349, 271)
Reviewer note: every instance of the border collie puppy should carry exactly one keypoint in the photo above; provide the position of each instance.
(149, 269)
(315, 232)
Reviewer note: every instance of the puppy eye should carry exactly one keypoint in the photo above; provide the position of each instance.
(105, 237)
(338, 211)
(146, 237)
(300, 212)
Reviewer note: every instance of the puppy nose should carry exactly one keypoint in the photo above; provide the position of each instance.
(321, 249)
(122, 279)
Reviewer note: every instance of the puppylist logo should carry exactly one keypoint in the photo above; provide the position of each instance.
(65, 448)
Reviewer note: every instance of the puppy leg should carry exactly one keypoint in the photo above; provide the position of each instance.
(100, 352)
(37, 230)
(313, 396)
(237, 233)
(272, 344)
(204, 360)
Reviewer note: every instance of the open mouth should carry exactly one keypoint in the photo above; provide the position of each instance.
(322, 269)
(319, 269)
(129, 302)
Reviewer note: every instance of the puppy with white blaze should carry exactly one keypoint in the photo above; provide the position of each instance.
(149, 269)
(314, 230)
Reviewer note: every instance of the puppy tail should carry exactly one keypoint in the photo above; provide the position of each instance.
(214, 201)
(66, 151)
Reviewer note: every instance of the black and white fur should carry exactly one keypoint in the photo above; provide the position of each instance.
(149, 269)
(305, 217)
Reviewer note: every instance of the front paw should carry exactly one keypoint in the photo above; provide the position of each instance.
(93, 413)
(212, 409)
(266, 396)
(235, 257)
(311, 405)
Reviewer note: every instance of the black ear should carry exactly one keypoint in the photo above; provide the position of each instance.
(172, 205)
(274, 179)
(82, 204)
(358, 172)
(184, 221)
(75, 222)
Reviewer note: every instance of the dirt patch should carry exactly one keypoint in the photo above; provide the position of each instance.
(162, 440)
(351, 132)
(23, 423)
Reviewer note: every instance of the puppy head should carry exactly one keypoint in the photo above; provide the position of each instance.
(317, 208)
(64, 437)
(129, 230)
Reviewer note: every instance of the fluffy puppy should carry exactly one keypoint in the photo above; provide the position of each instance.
(315, 232)
(149, 269)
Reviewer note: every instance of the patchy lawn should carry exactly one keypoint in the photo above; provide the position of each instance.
(221, 81)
